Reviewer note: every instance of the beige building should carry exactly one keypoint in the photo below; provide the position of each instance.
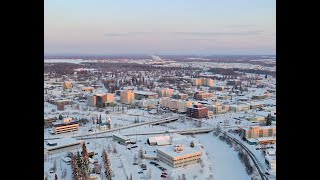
(66, 126)
(257, 132)
(178, 155)
(175, 104)
(67, 85)
(127, 97)
(101, 100)
(165, 92)
(87, 89)
(202, 96)
(203, 82)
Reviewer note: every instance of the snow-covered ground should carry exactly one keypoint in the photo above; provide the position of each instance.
(225, 162)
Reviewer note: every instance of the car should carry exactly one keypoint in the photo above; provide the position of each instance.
(267, 173)
(164, 173)
(96, 154)
(144, 169)
(164, 169)
(163, 176)
(135, 163)
(152, 162)
(129, 148)
(257, 148)
(140, 172)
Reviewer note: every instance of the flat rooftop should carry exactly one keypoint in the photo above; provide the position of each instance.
(61, 143)
(145, 93)
(169, 150)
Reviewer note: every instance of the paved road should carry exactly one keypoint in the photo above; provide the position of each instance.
(158, 121)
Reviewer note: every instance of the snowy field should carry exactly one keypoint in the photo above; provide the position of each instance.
(225, 162)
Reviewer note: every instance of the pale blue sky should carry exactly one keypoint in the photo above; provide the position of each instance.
(160, 27)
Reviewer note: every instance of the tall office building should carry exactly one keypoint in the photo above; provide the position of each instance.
(127, 97)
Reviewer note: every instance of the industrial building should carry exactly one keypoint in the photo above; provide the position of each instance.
(197, 111)
(178, 155)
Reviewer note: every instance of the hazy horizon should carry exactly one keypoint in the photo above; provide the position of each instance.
(188, 27)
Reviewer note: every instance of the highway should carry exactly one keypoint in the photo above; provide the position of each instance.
(155, 122)
(184, 131)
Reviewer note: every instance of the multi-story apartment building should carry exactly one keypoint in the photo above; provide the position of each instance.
(101, 100)
(66, 126)
(203, 82)
(257, 132)
(197, 111)
(165, 92)
(127, 97)
(203, 96)
(175, 104)
(178, 156)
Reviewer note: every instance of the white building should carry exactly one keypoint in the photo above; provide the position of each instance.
(62, 145)
(179, 155)
(270, 159)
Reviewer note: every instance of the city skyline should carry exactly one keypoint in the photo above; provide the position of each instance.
(159, 27)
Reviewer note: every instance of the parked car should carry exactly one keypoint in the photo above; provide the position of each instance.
(135, 163)
(163, 176)
(140, 172)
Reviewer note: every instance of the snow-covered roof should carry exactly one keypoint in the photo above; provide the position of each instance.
(160, 140)
(266, 138)
(144, 93)
(61, 143)
(169, 150)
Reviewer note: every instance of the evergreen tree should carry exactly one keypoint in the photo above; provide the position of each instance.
(60, 117)
(55, 177)
(192, 144)
(268, 120)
